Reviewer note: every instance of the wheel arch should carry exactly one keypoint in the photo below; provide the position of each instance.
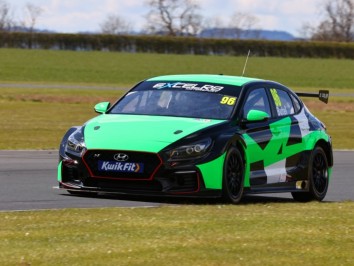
(233, 175)
(240, 144)
(327, 148)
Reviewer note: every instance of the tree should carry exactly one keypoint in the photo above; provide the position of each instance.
(114, 24)
(5, 18)
(241, 23)
(174, 17)
(214, 27)
(338, 22)
(33, 12)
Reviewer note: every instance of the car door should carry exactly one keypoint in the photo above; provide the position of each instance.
(257, 135)
(272, 144)
(290, 125)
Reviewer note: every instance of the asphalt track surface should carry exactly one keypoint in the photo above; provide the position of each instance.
(27, 179)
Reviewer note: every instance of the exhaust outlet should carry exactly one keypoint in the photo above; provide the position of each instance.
(301, 185)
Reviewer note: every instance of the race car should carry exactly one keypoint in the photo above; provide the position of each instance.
(200, 136)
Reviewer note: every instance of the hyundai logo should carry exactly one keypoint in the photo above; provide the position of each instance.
(121, 157)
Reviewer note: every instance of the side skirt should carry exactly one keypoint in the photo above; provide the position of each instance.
(296, 186)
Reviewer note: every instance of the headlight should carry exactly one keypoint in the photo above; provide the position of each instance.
(187, 152)
(76, 142)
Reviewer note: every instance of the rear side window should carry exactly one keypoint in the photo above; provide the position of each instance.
(283, 103)
(297, 105)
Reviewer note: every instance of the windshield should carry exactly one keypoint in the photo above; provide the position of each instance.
(178, 99)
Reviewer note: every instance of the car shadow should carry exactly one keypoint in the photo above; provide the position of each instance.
(247, 199)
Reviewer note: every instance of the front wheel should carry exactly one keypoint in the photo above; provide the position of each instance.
(233, 176)
(318, 178)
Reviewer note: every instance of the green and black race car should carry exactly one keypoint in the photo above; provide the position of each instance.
(200, 135)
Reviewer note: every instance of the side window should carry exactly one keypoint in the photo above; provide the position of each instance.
(283, 102)
(297, 105)
(257, 100)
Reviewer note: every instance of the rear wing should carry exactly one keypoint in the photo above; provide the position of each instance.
(322, 95)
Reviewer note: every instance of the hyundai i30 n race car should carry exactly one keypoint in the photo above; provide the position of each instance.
(200, 135)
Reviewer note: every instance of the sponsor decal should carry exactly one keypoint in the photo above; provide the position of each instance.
(120, 157)
(228, 100)
(324, 95)
(188, 86)
(122, 167)
(281, 108)
(276, 97)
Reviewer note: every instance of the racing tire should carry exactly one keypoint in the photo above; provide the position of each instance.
(318, 178)
(233, 176)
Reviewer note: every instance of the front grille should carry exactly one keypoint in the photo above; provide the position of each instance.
(111, 164)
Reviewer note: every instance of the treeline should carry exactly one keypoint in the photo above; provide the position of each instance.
(175, 45)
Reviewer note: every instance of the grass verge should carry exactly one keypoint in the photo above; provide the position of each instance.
(256, 234)
(126, 69)
(38, 118)
(336, 116)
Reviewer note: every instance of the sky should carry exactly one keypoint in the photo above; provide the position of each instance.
(71, 16)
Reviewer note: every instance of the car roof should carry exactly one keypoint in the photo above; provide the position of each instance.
(207, 78)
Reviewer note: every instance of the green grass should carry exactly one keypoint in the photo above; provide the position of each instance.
(126, 69)
(341, 131)
(246, 234)
(38, 118)
(335, 116)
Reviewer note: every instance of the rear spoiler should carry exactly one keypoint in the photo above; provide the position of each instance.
(323, 95)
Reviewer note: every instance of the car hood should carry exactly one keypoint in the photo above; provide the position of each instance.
(140, 132)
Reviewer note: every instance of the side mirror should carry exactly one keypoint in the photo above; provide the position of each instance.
(255, 115)
(102, 107)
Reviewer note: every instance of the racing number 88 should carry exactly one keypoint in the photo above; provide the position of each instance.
(228, 100)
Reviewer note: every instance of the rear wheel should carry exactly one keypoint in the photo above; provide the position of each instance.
(233, 176)
(318, 178)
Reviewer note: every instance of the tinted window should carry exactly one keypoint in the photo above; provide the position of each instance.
(257, 100)
(184, 99)
(283, 102)
(297, 105)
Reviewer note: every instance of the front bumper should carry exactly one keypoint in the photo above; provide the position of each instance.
(158, 178)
